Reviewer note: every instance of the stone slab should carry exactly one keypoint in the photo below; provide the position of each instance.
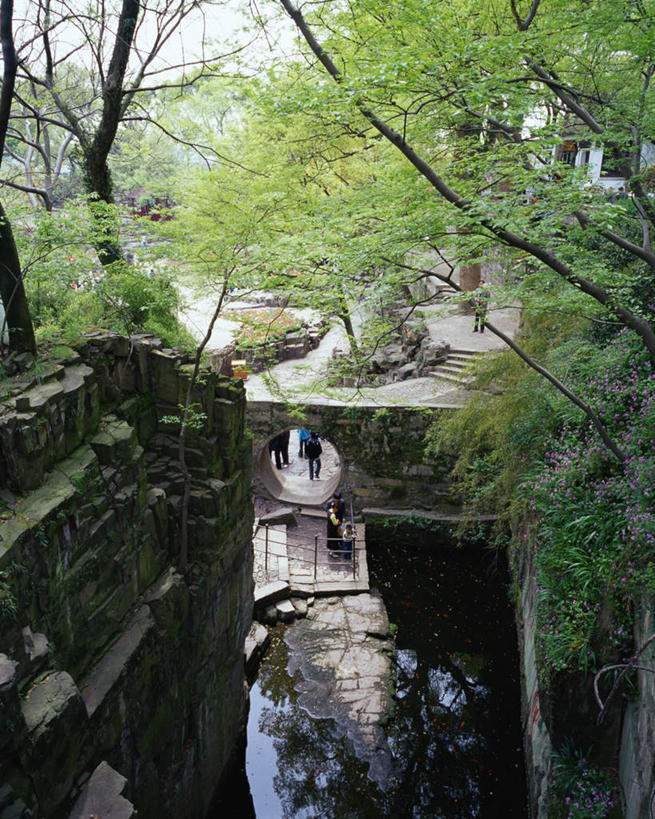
(48, 701)
(286, 611)
(101, 797)
(271, 592)
(106, 673)
(284, 514)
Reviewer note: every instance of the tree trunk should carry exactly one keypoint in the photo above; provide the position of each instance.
(96, 171)
(469, 279)
(17, 314)
(97, 180)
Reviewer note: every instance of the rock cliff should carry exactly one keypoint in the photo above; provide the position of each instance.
(111, 659)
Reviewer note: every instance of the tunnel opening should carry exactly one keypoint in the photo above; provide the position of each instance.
(282, 472)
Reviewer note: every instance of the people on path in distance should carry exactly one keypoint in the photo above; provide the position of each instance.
(303, 437)
(284, 445)
(334, 533)
(347, 541)
(276, 446)
(337, 500)
(481, 305)
(314, 449)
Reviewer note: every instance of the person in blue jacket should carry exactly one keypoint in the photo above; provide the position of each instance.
(303, 437)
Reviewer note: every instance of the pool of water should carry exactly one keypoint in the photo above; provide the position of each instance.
(455, 735)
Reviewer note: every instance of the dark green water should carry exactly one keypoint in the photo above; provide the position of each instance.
(456, 733)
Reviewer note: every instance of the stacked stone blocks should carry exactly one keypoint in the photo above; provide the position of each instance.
(145, 667)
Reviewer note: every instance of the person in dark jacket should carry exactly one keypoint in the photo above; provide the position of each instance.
(313, 449)
(284, 445)
(339, 502)
(333, 532)
(275, 447)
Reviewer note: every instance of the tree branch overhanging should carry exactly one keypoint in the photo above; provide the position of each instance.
(505, 236)
(591, 414)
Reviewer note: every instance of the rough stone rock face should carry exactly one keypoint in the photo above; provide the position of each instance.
(101, 796)
(147, 672)
(342, 652)
(431, 353)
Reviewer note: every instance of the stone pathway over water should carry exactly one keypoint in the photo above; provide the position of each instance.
(294, 565)
(341, 655)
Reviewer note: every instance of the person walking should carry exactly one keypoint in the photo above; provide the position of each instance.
(303, 437)
(481, 305)
(313, 449)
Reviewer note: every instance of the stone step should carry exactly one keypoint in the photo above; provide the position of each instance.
(464, 351)
(465, 359)
(451, 364)
(446, 376)
(454, 369)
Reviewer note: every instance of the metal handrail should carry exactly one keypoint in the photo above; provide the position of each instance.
(344, 561)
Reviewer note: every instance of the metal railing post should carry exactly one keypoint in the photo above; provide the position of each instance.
(315, 556)
(266, 551)
(353, 557)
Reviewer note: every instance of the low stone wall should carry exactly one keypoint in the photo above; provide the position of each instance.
(108, 652)
(292, 345)
(381, 451)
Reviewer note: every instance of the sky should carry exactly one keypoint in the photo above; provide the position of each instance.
(218, 28)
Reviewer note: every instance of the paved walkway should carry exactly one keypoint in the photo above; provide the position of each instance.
(303, 380)
(297, 489)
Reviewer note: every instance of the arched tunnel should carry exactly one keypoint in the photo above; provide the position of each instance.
(291, 483)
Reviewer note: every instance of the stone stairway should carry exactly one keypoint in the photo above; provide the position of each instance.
(454, 367)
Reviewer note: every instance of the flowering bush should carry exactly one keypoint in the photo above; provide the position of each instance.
(597, 539)
(263, 325)
(591, 797)
(587, 792)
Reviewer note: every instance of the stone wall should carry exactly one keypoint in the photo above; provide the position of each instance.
(108, 653)
(381, 451)
(561, 708)
(537, 743)
(637, 757)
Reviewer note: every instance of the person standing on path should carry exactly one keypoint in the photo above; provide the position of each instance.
(481, 305)
(284, 446)
(339, 502)
(347, 537)
(313, 450)
(333, 532)
(303, 437)
(276, 447)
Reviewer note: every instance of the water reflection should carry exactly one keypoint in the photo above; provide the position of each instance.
(455, 735)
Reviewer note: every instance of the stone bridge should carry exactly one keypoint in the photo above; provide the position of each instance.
(381, 452)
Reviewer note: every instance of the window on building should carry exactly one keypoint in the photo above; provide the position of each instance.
(616, 162)
(567, 152)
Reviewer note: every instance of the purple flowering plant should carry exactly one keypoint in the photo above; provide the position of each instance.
(586, 791)
(596, 541)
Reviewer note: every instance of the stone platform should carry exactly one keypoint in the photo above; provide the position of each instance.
(293, 561)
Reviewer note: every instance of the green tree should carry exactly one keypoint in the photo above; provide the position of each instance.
(12, 291)
(463, 83)
(118, 45)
